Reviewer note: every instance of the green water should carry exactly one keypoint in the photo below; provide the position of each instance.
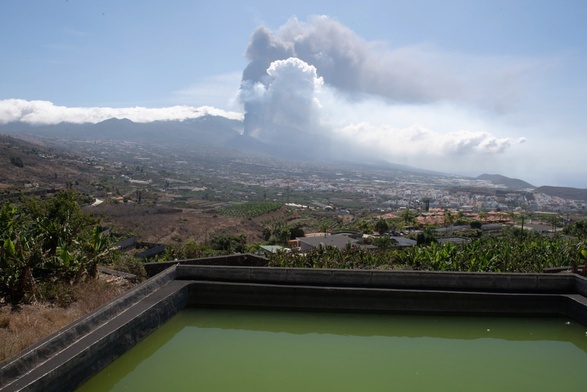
(232, 350)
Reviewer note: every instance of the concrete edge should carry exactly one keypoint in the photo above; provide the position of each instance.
(417, 280)
(33, 356)
(72, 355)
(320, 298)
(69, 368)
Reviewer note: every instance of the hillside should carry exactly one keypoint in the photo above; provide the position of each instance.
(33, 168)
(206, 130)
(200, 134)
(511, 183)
(28, 166)
(563, 192)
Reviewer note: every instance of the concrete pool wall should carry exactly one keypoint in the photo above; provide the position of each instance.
(64, 360)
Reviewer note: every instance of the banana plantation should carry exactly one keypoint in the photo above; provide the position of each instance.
(499, 253)
(48, 243)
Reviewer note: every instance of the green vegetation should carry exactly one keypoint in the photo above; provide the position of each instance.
(381, 226)
(408, 217)
(578, 229)
(219, 244)
(251, 209)
(229, 243)
(280, 234)
(16, 161)
(504, 253)
(187, 250)
(42, 243)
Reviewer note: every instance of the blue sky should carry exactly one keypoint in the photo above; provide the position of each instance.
(490, 86)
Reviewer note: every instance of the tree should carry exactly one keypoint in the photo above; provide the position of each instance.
(476, 224)
(381, 226)
(266, 233)
(407, 216)
(229, 243)
(578, 229)
(555, 221)
(522, 217)
(449, 218)
(426, 202)
(483, 215)
(187, 250)
(461, 219)
(383, 242)
(296, 231)
(16, 161)
(364, 226)
(426, 236)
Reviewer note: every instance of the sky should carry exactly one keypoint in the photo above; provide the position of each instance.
(463, 87)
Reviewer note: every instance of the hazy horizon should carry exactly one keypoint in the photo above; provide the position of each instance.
(457, 87)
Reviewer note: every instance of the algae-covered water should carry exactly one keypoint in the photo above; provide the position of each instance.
(243, 350)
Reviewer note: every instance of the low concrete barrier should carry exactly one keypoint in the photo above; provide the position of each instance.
(417, 280)
(233, 260)
(35, 358)
(63, 361)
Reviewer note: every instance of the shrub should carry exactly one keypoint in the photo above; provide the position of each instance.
(16, 161)
(476, 224)
(130, 265)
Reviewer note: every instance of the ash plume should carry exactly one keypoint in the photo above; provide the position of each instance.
(342, 59)
(317, 87)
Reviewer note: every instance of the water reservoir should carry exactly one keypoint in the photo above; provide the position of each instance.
(252, 350)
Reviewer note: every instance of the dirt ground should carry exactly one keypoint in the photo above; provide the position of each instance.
(31, 323)
(169, 225)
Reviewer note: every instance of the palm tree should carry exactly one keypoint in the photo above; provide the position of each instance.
(407, 216)
(449, 218)
(483, 215)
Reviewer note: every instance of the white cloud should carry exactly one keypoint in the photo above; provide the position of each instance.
(45, 112)
(400, 144)
(436, 136)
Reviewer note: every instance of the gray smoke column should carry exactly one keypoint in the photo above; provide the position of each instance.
(345, 62)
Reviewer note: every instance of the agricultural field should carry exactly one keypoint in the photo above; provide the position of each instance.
(493, 253)
(250, 210)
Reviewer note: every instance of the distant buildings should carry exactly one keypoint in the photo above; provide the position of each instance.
(338, 241)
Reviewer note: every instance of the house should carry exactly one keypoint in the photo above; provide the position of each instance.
(403, 242)
(453, 240)
(492, 227)
(338, 241)
(268, 249)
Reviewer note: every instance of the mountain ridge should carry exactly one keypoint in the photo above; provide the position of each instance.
(568, 193)
(511, 183)
(222, 132)
(203, 131)
(211, 130)
(563, 192)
